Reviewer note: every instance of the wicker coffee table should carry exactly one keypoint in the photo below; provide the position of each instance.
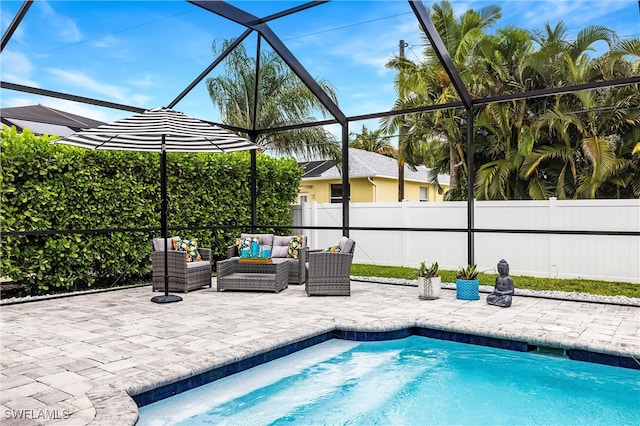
(235, 275)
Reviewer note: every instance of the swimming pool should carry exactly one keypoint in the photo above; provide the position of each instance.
(415, 380)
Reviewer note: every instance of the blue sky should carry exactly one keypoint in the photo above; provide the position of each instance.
(144, 53)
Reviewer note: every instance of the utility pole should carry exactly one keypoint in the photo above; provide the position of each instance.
(402, 45)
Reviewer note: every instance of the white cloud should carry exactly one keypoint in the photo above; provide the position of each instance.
(85, 110)
(6, 20)
(145, 81)
(380, 99)
(17, 68)
(576, 14)
(65, 28)
(140, 100)
(17, 79)
(18, 101)
(366, 53)
(106, 42)
(79, 79)
(460, 8)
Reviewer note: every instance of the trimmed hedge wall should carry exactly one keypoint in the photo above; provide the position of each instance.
(56, 187)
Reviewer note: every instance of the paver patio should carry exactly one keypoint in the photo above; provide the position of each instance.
(71, 361)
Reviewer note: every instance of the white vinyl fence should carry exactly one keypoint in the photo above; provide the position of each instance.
(600, 257)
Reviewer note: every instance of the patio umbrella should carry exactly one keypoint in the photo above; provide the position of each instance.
(160, 130)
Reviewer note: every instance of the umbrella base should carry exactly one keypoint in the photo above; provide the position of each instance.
(166, 299)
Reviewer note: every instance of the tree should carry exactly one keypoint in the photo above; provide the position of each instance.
(372, 141)
(502, 137)
(426, 83)
(282, 100)
(575, 145)
(584, 140)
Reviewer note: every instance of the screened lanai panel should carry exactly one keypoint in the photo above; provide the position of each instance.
(232, 88)
(140, 53)
(520, 46)
(348, 44)
(144, 53)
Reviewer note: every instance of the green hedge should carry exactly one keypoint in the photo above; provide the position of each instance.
(56, 187)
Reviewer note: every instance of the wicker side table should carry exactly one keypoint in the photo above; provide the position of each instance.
(234, 275)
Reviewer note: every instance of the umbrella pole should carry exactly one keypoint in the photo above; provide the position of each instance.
(166, 298)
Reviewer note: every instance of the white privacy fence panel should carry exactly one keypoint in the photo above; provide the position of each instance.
(605, 257)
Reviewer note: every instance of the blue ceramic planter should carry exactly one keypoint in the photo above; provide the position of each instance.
(468, 289)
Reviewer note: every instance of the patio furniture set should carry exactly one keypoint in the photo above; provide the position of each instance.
(289, 261)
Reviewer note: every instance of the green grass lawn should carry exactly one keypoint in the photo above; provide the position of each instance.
(603, 288)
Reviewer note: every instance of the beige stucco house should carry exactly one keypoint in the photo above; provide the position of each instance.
(372, 178)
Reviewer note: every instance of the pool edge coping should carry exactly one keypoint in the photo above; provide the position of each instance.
(222, 369)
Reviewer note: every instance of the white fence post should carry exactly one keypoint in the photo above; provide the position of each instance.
(405, 249)
(553, 241)
(313, 220)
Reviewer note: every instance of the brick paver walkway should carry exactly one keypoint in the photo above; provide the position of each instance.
(71, 361)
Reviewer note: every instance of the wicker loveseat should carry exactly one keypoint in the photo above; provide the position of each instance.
(183, 276)
(279, 246)
(329, 272)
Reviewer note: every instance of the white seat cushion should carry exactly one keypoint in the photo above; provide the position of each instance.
(158, 244)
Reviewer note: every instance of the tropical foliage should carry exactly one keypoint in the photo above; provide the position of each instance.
(372, 141)
(583, 144)
(428, 271)
(282, 100)
(49, 187)
(469, 272)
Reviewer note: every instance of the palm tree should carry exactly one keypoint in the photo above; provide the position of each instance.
(587, 151)
(426, 83)
(581, 147)
(583, 144)
(555, 51)
(503, 145)
(501, 136)
(282, 100)
(372, 141)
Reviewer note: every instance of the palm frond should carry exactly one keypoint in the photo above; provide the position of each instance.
(540, 190)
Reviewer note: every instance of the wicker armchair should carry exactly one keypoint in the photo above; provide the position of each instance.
(328, 274)
(183, 276)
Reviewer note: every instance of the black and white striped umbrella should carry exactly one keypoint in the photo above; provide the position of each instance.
(160, 130)
(147, 132)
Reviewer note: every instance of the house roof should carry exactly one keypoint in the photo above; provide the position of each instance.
(365, 164)
(43, 120)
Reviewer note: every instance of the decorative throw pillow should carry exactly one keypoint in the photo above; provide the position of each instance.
(295, 244)
(332, 249)
(158, 243)
(346, 245)
(245, 243)
(190, 247)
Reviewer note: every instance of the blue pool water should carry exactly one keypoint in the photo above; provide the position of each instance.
(412, 381)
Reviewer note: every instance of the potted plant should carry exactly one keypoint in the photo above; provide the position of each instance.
(467, 283)
(429, 282)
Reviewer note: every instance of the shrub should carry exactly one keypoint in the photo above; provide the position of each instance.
(48, 187)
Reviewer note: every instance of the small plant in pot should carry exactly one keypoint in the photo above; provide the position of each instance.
(429, 282)
(467, 283)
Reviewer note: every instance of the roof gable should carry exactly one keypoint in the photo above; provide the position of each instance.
(366, 164)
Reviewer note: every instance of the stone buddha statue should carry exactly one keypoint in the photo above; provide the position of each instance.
(504, 289)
